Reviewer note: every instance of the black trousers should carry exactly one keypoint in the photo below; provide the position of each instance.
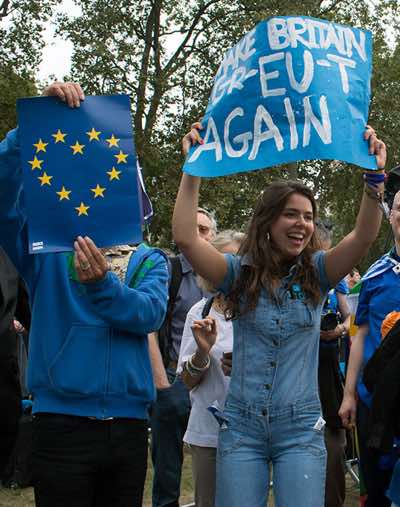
(10, 403)
(376, 480)
(83, 462)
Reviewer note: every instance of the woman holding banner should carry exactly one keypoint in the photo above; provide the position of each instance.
(275, 291)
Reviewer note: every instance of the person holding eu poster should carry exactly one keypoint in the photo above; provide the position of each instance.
(275, 290)
(89, 368)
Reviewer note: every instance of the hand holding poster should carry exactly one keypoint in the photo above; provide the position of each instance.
(294, 88)
(80, 173)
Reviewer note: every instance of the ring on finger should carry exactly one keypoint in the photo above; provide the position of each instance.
(84, 266)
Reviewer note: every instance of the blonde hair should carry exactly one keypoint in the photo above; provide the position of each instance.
(221, 240)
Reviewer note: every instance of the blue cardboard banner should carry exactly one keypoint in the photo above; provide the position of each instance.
(80, 172)
(294, 88)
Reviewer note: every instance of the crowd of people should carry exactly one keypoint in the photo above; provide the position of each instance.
(231, 347)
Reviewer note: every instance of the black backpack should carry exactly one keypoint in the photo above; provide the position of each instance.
(164, 333)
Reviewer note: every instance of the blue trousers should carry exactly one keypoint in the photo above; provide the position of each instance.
(169, 419)
(252, 440)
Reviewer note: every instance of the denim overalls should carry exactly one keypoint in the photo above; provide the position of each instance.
(272, 411)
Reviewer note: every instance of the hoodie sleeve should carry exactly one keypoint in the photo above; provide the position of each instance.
(138, 310)
(13, 224)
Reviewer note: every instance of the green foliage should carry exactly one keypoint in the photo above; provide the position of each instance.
(22, 24)
(12, 87)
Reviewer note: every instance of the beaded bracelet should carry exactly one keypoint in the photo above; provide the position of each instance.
(372, 193)
(196, 371)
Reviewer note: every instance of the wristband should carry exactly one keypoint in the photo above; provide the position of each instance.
(373, 179)
(377, 196)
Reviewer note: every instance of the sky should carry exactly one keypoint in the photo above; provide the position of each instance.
(57, 52)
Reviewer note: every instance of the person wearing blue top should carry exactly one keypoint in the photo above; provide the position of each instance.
(89, 369)
(379, 295)
(335, 324)
(275, 291)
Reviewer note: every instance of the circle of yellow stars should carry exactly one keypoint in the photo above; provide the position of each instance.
(77, 149)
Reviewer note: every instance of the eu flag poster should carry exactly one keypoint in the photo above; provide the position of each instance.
(80, 173)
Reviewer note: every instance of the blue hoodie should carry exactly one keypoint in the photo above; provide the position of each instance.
(88, 353)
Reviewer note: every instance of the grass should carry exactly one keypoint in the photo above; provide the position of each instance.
(24, 497)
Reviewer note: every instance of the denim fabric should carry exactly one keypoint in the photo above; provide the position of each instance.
(286, 439)
(169, 418)
(273, 400)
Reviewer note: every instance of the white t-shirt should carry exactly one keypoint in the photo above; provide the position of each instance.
(203, 428)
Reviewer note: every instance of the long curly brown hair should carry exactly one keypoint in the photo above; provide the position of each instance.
(267, 266)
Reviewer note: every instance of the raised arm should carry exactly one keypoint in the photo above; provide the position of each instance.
(348, 408)
(205, 259)
(346, 254)
(140, 309)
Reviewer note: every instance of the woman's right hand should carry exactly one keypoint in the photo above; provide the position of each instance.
(205, 334)
(192, 138)
(348, 411)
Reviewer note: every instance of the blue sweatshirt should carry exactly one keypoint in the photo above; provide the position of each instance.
(88, 352)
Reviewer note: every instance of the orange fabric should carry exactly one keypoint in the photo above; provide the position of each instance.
(388, 322)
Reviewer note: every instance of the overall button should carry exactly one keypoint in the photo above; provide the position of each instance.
(273, 364)
(267, 386)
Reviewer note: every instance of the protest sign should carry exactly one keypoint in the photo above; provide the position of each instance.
(294, 88)
(80, 173)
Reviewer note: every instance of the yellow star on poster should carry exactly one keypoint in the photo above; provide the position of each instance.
(40, 146)
(45, 179)
(77, 148)
(64, 193)
(114, 174)
(93, 134)
(36, 163)
(82, 209)
(113, 141)
(98, 191)
(59, 137)
(121, 157)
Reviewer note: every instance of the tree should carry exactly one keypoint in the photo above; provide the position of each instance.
(12, 87)
(21, 42)
(22, 24)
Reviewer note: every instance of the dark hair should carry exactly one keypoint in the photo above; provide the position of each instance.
(265, 259)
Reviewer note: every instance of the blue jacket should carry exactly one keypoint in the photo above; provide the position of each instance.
(88, 353)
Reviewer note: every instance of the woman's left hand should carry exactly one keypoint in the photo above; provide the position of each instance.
(90, 264)
(205, 334)
(376, 147)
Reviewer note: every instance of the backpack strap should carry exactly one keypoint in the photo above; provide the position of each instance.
(164, 333)
(175, 283)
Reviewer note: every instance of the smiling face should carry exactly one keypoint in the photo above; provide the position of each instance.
(292, 230)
